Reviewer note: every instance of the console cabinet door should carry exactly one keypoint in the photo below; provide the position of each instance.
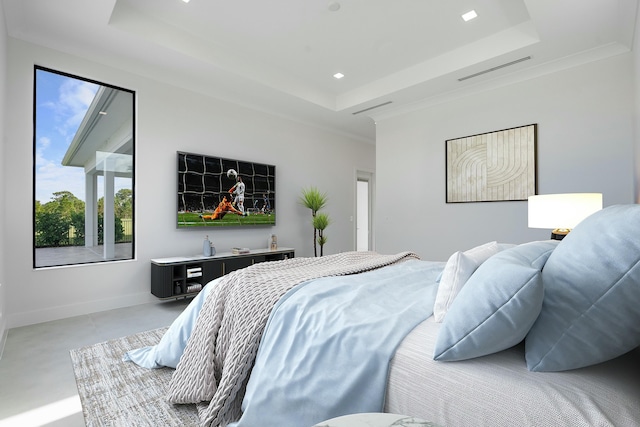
(211, 270)
(161, 281)
(233, 264)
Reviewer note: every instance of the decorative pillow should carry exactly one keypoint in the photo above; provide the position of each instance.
(591, 306)
(497, 306)
(457, 271)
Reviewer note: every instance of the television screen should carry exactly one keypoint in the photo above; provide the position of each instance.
(218, 192)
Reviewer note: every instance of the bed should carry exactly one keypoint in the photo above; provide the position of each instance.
(498, 390)
(540, 333)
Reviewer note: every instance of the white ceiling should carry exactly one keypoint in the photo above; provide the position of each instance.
(280, 55)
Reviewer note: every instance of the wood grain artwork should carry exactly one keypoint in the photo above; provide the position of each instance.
(494, 166)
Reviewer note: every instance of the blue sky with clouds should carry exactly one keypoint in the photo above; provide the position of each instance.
(61, 103)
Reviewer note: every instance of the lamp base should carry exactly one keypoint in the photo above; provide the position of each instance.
(559, 233)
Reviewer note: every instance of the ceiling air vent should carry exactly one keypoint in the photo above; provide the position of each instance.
(497, 67)
(371, 108)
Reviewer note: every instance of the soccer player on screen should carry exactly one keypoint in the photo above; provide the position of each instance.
(223, 208)
(238, 190)
(266, 206)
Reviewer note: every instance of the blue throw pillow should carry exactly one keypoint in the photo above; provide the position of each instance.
(591, 309)
(459, 267)
(497, 306)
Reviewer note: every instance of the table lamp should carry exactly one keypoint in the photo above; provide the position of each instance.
(561, 212)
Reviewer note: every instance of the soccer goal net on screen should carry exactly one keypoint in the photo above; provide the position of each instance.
(204, 181)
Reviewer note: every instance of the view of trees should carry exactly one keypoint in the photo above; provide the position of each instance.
(60, 222)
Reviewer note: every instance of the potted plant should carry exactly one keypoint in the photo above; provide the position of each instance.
(313, 199)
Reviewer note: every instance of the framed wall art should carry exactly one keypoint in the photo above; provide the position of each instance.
(493, 166)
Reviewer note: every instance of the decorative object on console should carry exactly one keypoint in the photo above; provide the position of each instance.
(313, 199)
(193, 287)
(215, 192)
(240, 250)
(195, 271)
(273, 242)
(494, 166)
(561, 212)
(206, 246)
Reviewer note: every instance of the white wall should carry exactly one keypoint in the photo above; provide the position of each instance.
(585, 144)
(636, 92)
(3, 162)
(168, 119)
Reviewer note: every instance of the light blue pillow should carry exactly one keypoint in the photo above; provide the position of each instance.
(459, 267)
(497, 306)
(591, 309)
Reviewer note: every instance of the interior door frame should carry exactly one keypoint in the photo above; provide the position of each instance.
(369, 177)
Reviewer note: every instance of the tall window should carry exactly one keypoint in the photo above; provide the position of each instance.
(83, 170)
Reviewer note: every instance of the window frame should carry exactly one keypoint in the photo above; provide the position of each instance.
(114, 165)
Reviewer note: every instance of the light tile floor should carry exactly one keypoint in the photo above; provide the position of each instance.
(37, 385)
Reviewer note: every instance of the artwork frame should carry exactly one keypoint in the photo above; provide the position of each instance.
(493, 166)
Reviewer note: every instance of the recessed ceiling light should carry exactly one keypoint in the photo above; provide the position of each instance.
(469, 15)
(338, 75)
(186, 1)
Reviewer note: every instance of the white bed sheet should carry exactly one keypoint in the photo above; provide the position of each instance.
(498, 390)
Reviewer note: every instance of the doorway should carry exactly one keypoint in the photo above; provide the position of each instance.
(364, 203)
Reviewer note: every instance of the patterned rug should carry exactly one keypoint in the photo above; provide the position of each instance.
(117, 393)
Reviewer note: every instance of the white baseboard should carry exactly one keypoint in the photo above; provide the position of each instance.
(16, 320)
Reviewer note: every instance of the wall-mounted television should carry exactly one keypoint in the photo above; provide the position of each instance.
(220, 192)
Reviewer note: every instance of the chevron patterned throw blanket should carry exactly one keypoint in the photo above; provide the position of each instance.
(214, 369)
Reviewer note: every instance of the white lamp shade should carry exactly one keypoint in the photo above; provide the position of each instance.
(562, 211)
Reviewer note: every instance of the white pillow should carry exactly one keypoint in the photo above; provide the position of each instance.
(457, 271)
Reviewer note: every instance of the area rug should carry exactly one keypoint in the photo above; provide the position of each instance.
(117, 393)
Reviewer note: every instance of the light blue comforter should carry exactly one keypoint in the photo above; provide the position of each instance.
(326, 347)
(170, 348)
(328, 342)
